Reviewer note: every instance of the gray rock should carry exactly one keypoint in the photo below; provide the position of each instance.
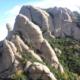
(23, 48)
(7, 60)
(39, 71)
(39, 17)
(32, 34)
(64, 23)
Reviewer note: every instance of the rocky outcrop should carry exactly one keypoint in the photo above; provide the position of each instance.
(59, 22)
(37, 71)
(26, 47)
(32, 35)
(39, 17)
(9, 31)
(25, 43)
(23, 48)
(64, 23)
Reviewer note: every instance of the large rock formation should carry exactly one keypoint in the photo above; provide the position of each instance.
(64, 23)
(37, 71)
(26, 47)
(39, 17)
(7, 59)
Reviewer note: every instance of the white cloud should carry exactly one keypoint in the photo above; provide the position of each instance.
(3, 32)
(14, 10)
(71, 4)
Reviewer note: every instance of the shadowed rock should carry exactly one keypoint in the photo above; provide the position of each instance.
(39, 71)
(7, 60)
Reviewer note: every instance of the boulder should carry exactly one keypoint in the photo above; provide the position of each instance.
(76, 32)
(39, 71)
(58, 51)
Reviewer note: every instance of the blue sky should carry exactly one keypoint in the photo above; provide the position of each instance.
(10, 8)
(8, 11)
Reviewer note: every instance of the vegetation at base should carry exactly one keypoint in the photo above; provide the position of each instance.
(69, 58)
(19, 75)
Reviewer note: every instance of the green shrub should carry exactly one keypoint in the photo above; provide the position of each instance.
(70, 57)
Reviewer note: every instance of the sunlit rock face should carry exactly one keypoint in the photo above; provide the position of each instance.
(32, 35)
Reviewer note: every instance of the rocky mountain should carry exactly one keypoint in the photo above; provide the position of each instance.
(31, 51)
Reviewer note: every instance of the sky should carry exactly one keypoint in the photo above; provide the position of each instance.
(10, 8)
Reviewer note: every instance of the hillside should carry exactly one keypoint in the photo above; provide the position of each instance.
(43, 45)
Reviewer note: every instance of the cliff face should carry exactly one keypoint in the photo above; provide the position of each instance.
(26, 48)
